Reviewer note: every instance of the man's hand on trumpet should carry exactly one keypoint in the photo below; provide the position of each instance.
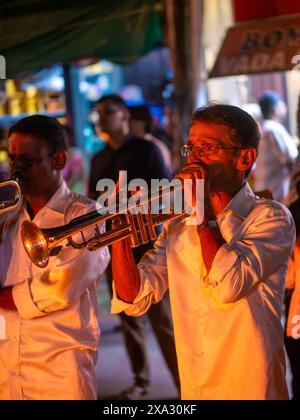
(200, 194)
(206, 203)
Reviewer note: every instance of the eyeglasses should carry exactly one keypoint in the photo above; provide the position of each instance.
(204, 149)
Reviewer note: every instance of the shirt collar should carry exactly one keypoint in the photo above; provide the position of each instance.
(57, 202)
(240, 206)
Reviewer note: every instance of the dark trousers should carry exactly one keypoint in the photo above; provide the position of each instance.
(293, 350)
(133, 329)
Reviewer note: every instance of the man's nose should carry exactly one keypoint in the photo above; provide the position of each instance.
(16, 165)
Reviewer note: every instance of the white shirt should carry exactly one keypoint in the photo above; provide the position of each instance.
(228, 335)
(276, 155)
(48, 348)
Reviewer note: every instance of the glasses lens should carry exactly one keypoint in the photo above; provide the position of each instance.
(185, 151)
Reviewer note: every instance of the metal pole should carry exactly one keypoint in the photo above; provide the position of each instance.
(199, 90)
(179, 42)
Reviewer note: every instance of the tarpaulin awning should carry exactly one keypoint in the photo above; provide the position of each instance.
(269, 45)
(38, 33)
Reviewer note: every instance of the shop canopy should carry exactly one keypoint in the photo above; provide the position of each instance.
(264, 46)
(39, 33)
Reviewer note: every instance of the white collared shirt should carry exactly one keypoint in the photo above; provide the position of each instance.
(228, 335)
(276, 156)
(48, 347)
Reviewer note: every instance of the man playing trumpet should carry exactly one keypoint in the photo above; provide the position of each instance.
(225, 274)
(48, 317)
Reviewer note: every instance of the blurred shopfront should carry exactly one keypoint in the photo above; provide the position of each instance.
(257, 51)
(70, 93)
(42, 92)
(62, 58)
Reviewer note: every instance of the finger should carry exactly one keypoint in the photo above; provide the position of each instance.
(191, 174)
(199, 171)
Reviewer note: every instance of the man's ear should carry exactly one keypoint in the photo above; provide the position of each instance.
(246, 159)
(126, 114)
(59, 160)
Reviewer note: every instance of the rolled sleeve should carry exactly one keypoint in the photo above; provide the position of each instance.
(24, 301)
(65, 282)
(224, 261)
(265, 245)
(140, 305)
(61, 286)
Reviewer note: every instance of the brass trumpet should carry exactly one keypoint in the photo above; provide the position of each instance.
(9, 205)
(126, 223)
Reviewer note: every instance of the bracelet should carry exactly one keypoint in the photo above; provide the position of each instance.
(207, 225)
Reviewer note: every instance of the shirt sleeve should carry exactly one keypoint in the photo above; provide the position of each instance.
(154, 280)
(264, 247)
(63, 282)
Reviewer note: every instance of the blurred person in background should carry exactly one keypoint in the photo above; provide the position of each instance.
(277, 152)
(292, 303)
(141, 159)
(294, 193)
(292, 296)
(75, 173)
(141, 125)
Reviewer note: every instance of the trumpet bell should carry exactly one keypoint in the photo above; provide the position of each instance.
(35, 244)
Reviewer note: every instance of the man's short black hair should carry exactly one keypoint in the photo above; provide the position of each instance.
(244, 129)
(42, 128)
(142, 113)
(116, 99)
(268, 102)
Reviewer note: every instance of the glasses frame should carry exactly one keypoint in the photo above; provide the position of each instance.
(187, 150)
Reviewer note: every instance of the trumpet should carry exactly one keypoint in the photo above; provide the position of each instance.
(127, 222)
(8, 205)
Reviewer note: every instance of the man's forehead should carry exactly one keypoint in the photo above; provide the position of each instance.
(26, 143)
(210, 130)
(108, 104)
